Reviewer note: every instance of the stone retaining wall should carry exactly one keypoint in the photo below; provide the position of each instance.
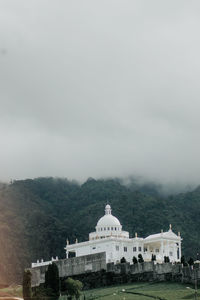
(71, 267)
(93, 271)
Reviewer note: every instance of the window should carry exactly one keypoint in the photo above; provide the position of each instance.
(157, 250)
(170, 253)
(140, 249)
(104, 228)
(117, 248)
(145, 249)
(108, 228)
(101, 229)
(125, 249)
(134, 249)
(115, 228)
(94, 248)
(111, 228)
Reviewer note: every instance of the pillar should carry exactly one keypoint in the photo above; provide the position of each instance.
(179, 245)
(161, 250)
(167, 254)
(174, 252)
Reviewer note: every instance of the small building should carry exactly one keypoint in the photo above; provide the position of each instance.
(116, 243)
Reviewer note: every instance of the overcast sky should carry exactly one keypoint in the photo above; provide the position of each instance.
(100, 88)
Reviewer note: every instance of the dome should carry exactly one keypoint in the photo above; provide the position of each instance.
(108, 207)
(108, 219)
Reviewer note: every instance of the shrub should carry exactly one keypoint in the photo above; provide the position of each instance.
(123, 260)
(140, 258)
(135, 261)
(73, 288)
(153, 257)
(191, 261)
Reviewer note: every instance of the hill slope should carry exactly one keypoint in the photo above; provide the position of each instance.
(36, 217)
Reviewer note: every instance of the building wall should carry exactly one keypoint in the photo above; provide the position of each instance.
(115, 248)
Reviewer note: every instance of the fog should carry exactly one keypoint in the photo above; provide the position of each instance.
(100, 89)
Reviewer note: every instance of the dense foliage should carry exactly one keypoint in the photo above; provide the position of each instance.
(27, 293)
(37, 216)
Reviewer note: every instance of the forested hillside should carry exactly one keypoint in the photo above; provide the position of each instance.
(37, 216)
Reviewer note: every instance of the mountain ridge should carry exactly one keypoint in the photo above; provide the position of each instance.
(38, 215)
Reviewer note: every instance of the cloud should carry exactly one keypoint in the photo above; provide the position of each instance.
(100, 88)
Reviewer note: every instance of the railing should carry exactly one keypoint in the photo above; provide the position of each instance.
(43, 263)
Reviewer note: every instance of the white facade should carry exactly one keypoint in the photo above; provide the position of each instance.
(110, 238)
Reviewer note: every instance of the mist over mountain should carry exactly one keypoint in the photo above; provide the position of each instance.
(38, 215)
(101, 89)
(155, 187)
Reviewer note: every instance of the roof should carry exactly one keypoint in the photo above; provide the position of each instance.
(108, 220)
(166, 235)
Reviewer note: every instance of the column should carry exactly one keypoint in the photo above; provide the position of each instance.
(161, 250)
(167, 254)
(174, 252)
(179, 245)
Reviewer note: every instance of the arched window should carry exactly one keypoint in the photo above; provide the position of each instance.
(108, 228)
(111, 228)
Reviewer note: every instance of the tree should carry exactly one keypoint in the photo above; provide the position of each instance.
(191, 261)
(123, 260)
(153, 257)
(183, 261)
(166, 259)
(140, 258)
(73, 288)
(135, 261)
(52, 281)
(27, 285)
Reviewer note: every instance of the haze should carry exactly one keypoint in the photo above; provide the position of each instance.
(100, 88)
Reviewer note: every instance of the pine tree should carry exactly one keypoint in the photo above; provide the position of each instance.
(183, 261)
(52, 281)
(191, 261)
(153, 257)
(140, 258)
(166, 259)
(123, 260)
(135, 261)
(27, 293)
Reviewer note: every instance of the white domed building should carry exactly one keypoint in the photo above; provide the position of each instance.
(116, 243)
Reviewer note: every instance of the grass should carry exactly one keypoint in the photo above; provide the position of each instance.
(142, 291)
(135, 291)
(13, 290)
